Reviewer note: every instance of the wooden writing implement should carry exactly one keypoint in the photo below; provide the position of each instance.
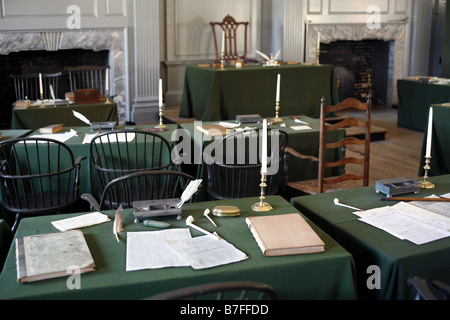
(416, 199)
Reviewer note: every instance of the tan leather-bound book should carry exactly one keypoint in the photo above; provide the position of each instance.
(285, 234)
(52, 255)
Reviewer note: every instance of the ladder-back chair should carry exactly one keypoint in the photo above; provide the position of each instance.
(358, 160)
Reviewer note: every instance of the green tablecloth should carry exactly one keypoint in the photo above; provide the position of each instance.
(397, 259)
(304, 141)
(440, 142)
(210, 94)
(326, 275)
(414, 98)
(34, 117)
(6, 237)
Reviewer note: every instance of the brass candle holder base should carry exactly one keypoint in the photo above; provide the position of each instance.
(161, 125)
(262, 206)
(108, 100)
(425, 184)
(277, 119)
(42, 101)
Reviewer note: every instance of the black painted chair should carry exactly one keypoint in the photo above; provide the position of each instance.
(38, 176)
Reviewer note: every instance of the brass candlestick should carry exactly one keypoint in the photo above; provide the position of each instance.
(42, 101)
(277, 119)
(425, 184)
(108, 100)
(222, 61)
(161, 125)
(262, 206)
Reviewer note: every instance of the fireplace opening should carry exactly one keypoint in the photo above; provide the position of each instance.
(41, 61)
(361, 66)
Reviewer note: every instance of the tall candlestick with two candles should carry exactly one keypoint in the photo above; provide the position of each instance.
(425, 184)
(263, 206)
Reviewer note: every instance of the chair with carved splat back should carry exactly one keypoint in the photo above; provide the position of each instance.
(235, 42)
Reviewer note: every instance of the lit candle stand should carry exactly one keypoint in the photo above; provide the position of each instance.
(425, 184)
(277, 119)
(41, 91)
(108, 100)
(262, 206)
(161, 125)
(318, 49)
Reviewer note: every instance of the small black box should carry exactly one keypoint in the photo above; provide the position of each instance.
(248, 118)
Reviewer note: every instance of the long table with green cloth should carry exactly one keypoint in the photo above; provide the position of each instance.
(414, 98)
(88, 175)
(325, 275)
(6, 236)
(397, 259)
(211, 94)
(440, 142)
(305, 141)
(35, 117)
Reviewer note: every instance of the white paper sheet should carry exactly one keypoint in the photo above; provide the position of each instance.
(299, 128)
(206, 252)
(61, 137)
(405, 227)
(229, 124)
(441, 208)
(114, 138)
(149, 249)
(82, 221)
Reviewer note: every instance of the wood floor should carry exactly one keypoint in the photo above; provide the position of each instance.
(398, 155)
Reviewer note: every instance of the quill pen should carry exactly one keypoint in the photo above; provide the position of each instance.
(276, 56)
(118, 223)
(81, 117)
(189, 191)
(262, 55)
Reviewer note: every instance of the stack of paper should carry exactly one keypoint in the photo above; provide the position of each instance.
(176, 248)
(82, 221)
(418, 222)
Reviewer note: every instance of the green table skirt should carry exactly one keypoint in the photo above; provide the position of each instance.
(440, 142)
(397, 259)
(326, 275)
(210, 94)
(34, 117)
(414, 98)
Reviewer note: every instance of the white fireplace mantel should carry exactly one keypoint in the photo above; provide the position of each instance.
(128, 28)
(394, 32)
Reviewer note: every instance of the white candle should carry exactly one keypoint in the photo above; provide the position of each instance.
(223, 42)
(41, 89)
(264, 149)
(318, 42)
(430, 132)
(107, 79)
(160, 93)
(278, 87)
